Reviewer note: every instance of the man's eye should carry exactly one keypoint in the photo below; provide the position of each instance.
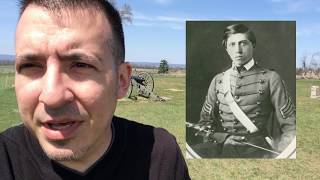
(28, 66)
(83, 65)
(243, 43)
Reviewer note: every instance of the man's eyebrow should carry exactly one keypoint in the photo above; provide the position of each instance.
(242, 41)
(74, 56)
(77, 56)
(29, 57)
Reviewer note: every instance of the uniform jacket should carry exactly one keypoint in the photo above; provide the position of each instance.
(262, 96)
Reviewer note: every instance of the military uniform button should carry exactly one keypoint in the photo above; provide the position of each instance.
(225, 129)
(221, 120)
(236, 97)
(217, 91)
(260, 91)
(257, 113)
(258, 102)
(261, 81)
(253, 121)
(214, 141)
(217, 102)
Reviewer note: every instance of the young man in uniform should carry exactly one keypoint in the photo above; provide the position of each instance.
(70, 71)
(243, 101)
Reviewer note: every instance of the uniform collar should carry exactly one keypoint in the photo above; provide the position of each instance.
(248, 65)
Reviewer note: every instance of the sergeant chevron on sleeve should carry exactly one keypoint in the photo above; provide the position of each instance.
(246, 105)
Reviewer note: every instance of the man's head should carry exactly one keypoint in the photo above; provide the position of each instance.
(239, 42)
(69, 74)
(60, 8)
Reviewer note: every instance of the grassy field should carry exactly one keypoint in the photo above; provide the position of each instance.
(171, 116)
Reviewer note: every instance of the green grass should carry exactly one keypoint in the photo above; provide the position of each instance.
(6, 68)
(171, 116)
(8, 107)
(6, 80)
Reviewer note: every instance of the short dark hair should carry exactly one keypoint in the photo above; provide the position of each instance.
(117, 45)
(238, 28)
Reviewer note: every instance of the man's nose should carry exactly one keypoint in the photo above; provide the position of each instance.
(55, 92)
(238, 48)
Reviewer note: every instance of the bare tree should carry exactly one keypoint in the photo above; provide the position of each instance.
(304, 61)
(314, 63)
(310, 65)
(125, 11)
(304, 64)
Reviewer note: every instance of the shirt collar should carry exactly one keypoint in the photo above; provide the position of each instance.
(248, 65)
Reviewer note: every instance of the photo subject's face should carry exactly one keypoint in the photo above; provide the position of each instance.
(66, 81)
(239, 48)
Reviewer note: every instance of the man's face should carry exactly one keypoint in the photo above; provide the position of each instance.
(67, 82)
(239, 48)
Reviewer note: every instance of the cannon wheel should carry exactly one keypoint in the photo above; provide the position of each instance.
(148, 83)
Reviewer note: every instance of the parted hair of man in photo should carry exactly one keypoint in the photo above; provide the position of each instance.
(247, 111)
(69, 73)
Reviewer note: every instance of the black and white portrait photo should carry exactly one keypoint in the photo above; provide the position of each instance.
(241, 89)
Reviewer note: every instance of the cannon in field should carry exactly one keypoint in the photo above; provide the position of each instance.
(142, 84)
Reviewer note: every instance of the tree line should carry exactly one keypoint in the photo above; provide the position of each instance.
(310, 66)
(6, 62)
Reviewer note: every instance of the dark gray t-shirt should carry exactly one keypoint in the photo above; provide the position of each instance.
(137, 152)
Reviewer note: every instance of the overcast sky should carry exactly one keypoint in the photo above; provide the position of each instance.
(158, 28)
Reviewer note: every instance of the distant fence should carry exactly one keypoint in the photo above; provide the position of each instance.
(6, 80)
(308, 74)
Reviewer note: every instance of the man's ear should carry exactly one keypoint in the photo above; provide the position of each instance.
(124, 78)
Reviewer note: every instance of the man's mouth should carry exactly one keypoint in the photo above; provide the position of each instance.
(60, 130)
(60, 126)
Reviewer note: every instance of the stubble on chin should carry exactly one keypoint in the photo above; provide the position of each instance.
(59, 151)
